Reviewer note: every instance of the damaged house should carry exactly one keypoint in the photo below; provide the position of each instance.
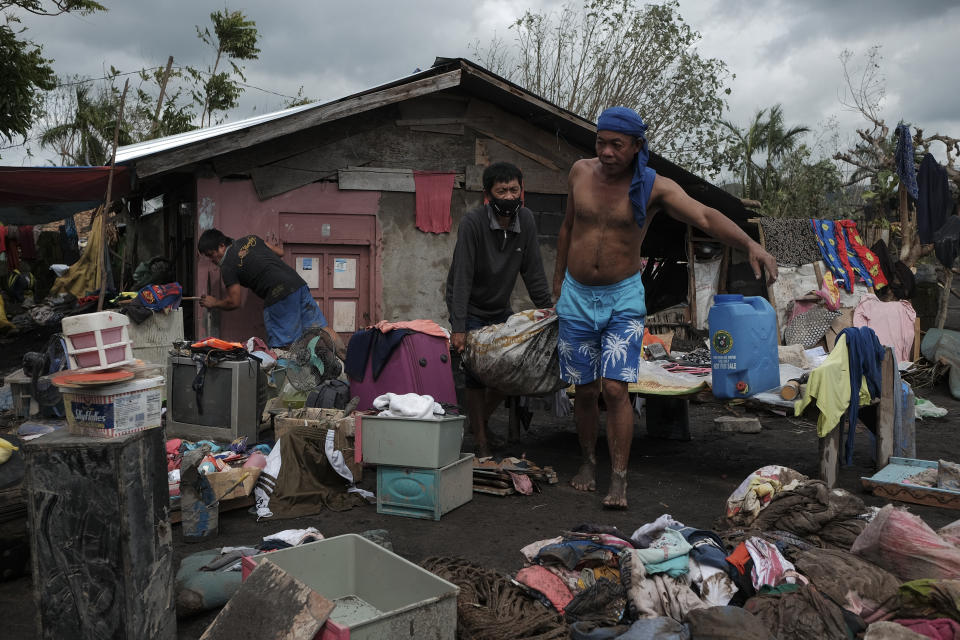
(351, 187)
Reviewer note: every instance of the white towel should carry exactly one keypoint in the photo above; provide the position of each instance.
(407, 405)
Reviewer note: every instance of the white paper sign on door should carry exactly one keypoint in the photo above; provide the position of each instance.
(344, 273)
(309, 270)
(344, 316)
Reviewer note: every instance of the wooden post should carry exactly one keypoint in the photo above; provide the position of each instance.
(691, 279)
(101, 271)
(771, 297)
(817, 271)
(917, 339)
(885, 412)
(830, 455)
(163, 89)
(124, 553)
(724, 270)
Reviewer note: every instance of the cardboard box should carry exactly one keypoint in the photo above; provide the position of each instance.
(223, 480)
(319, 418)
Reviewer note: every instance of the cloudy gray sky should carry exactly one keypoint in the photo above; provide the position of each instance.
(781, 51)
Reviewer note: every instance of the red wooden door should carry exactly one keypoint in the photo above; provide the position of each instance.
(338, 277)
(332, 253)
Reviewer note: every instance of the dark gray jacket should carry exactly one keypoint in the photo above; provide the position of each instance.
(486, 262)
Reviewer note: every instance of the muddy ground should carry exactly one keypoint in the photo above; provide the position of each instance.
(690, 480)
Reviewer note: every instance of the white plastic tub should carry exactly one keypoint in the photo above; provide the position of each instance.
(411, 442)
(378, 594)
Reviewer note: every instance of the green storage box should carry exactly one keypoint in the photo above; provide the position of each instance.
(378, 594)
(424, 493)
(411, 442)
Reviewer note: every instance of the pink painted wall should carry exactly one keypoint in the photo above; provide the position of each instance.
(233, 207)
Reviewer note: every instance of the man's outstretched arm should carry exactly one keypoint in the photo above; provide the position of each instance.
(682, 207)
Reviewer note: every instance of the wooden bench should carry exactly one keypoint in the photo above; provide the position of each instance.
(885, 408)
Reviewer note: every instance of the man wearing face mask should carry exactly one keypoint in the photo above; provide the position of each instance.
(495, 242)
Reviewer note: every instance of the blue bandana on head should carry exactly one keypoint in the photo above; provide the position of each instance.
(624, 120)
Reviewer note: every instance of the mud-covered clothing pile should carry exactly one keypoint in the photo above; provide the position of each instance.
(800, 561)
(667, 570)
(776, 498)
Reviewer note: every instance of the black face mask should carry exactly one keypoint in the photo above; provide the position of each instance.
(506, 208)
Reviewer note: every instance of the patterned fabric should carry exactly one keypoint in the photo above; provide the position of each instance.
(601, 330)
(906, 169)
(858, 253)
(808, 328)
(790, 241)
(827, 239)
(830, 292)
(845, 254)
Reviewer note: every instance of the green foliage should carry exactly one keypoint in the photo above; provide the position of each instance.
(805, 188)
(52, 8)
(767, 135)
(884, 187)
(774, 167)
(85, 138)
(298, 100)
(24, 72)
(619, 52)
(176, 116)
(81, 118)
(234, 38)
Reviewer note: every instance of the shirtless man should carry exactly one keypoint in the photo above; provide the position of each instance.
(611, 200)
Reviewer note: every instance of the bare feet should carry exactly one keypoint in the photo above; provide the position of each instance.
(586, 478)
(483, 450)
(617, 497)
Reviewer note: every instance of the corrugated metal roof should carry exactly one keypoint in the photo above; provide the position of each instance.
(134, 151)
(158, 145)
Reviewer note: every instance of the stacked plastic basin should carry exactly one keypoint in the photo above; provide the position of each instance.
(421, 472)
(97, 341)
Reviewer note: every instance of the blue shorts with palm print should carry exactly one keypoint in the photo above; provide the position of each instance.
(601, 330)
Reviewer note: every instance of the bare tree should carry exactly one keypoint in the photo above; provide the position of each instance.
(618, 52)
(873, 156)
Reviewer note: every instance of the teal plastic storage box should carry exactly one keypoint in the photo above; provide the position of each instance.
(377, 593)
(424, 493)
(411, 442)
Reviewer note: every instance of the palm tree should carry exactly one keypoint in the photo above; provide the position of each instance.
(749, 142)
(779, 142)
(85, 139)
(766, 135)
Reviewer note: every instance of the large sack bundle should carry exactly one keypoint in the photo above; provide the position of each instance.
(904, 545)
(517, 357)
